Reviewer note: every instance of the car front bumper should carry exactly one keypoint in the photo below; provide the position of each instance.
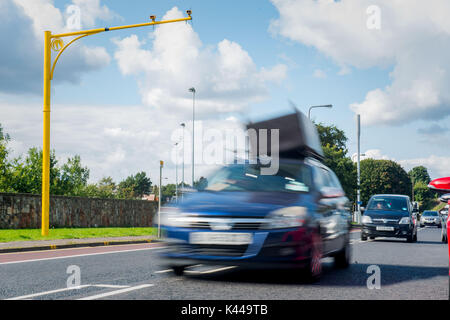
(399, 230)
(275, 248)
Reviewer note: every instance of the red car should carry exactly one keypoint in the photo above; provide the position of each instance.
(442, 186)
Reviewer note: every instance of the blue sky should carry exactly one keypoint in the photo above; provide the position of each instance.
(311, 58)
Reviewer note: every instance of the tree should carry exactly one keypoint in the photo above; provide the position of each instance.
(423, 194)
(73, 178)
(135, 186)
(26, 176)
(383, 176)
(332, 136)
(333, 142)
(419, 173)
(5, 166)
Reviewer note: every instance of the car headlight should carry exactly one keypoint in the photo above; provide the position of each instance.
(405, 220)
(170, 217)
(289, 217)
(366, 219)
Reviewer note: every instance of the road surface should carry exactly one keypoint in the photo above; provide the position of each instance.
(407, 271)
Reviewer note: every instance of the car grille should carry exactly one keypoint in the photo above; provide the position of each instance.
(212, 223)
(386, 222)
(213, 250)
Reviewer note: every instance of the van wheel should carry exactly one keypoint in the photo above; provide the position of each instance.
(410, 238)
(363, 238)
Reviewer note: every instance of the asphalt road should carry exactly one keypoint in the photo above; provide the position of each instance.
(407, 271)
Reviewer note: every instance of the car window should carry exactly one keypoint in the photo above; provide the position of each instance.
(388, 203)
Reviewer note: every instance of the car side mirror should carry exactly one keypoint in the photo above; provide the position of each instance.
(362, 209)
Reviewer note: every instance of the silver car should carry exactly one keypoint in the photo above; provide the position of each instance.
(430, 218)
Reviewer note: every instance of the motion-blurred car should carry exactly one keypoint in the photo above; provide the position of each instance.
(430, 218)
(291, 219)
(389, 215)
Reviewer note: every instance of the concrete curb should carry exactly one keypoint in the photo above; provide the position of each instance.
(76, 245)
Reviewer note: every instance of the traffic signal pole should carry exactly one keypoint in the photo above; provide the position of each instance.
(56, 43)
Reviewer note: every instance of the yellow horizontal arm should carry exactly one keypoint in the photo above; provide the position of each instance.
(93, 31)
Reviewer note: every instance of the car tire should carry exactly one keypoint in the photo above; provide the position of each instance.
(439, 226)
(313, 269)
(415, 237)
(372, 238)
(363, 238)
(410, 238)
(178, 270)
(342, 259)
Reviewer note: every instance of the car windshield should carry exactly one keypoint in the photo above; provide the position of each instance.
(430, 214)
(291, 177)
(388, 203)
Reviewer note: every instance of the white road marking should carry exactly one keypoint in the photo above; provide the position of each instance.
(163, 271)
(116, 292)
(79, 255)
(211, 271)
(109, 286)
(48, 292)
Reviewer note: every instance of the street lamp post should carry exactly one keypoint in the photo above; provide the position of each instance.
(56, 43)
(182, 168)
(193, 131)
(323, 106)
(161, 165)
(176, 172)
(358, 170)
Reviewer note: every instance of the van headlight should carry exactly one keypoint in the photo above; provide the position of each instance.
(366, 219)
(171, 217)
(290, 217)
(405, 220)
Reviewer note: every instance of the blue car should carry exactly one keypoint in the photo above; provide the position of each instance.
(288, 220)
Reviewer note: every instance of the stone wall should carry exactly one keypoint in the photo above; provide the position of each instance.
(20, 211)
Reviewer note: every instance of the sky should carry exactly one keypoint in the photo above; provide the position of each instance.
(118, 97)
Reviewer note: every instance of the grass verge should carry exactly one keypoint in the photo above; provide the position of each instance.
(8, 235)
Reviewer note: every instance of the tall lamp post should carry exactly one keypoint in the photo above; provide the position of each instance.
(161, 165)
(176, 172)
(182, 167)
(313, 107)
(55, 42)
(358, 169)
(193, 131)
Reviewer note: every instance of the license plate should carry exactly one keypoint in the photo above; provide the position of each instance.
(225, 238)
(385, 228)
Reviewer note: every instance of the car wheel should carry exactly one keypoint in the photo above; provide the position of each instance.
(415, 237)
(439, 226)
(410, 238)
(363, 237)
(178, 270)
(342, 259)
(313, 269)
(372, 238)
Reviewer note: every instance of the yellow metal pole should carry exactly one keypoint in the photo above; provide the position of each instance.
(48, 76)
(46, 137)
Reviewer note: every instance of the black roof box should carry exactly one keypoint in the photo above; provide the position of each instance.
(298, 136)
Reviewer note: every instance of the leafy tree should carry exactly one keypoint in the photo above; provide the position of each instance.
(423, 194)
(26, 176)
(419, 173)
(344, 168)
(105, 189)
(332, 136)
(201, 184)
(135, 186)
(5, 166)
(333, 142)
(383, 176)
(73, 177)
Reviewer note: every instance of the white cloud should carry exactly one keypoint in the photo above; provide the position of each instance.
(174, 59)
(22, 28)
(438, 166)
(319, 74)
(414, 38)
